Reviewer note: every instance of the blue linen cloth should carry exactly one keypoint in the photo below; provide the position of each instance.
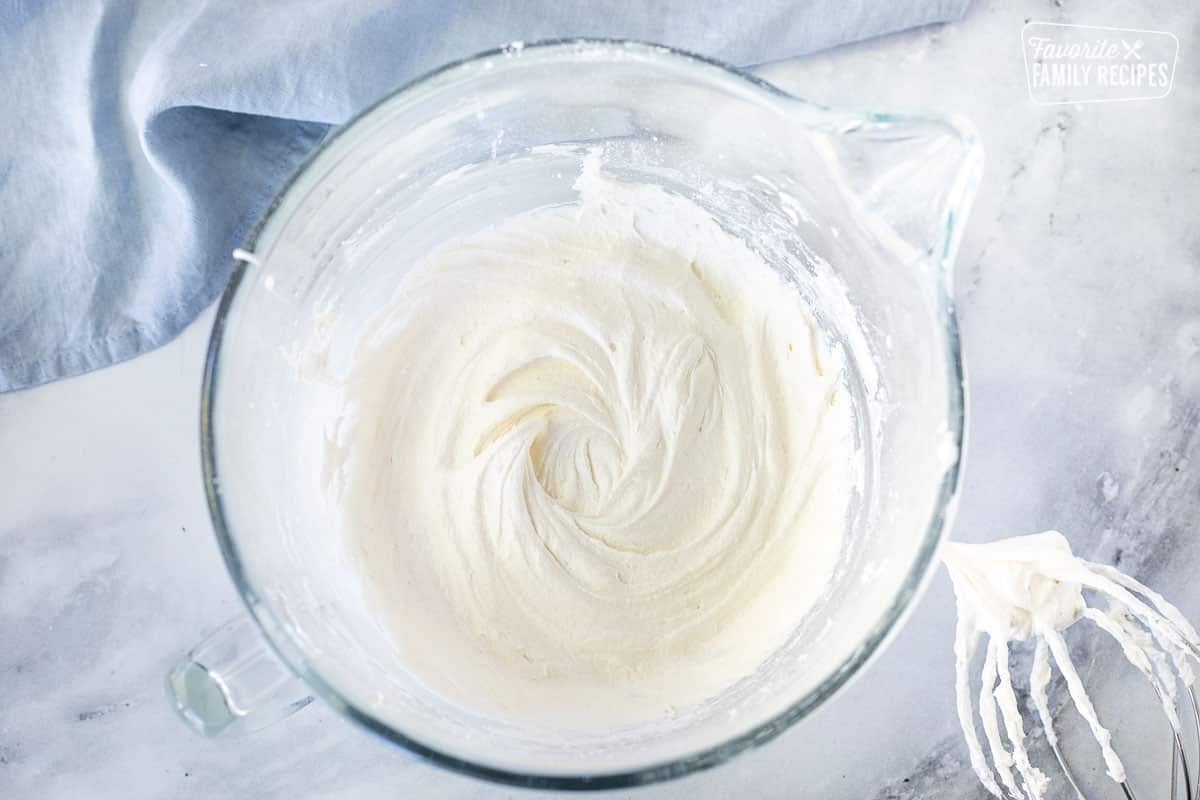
(139, 141)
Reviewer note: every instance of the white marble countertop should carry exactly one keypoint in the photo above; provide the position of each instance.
(1079, 292)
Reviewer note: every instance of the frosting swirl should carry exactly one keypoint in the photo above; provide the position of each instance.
(597, 454)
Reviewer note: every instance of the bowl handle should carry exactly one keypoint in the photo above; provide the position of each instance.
(233, 683)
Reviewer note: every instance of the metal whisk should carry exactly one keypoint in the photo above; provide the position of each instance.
(1032, 587)
(1179, 762)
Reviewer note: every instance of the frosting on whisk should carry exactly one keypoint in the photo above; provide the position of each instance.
(1032, 587)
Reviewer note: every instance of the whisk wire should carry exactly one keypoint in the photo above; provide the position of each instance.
(1179, 761)
(1196, 721)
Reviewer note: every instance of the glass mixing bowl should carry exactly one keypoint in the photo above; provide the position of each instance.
(861, 212)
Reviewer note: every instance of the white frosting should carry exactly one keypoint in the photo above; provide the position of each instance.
(1032, 586)
(1007, 586)
(595, 462)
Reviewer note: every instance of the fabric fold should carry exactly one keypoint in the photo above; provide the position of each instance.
(142, 140)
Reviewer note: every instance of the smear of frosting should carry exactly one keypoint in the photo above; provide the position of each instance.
(594, 462)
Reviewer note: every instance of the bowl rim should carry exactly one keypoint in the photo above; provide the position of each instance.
(276, 634)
